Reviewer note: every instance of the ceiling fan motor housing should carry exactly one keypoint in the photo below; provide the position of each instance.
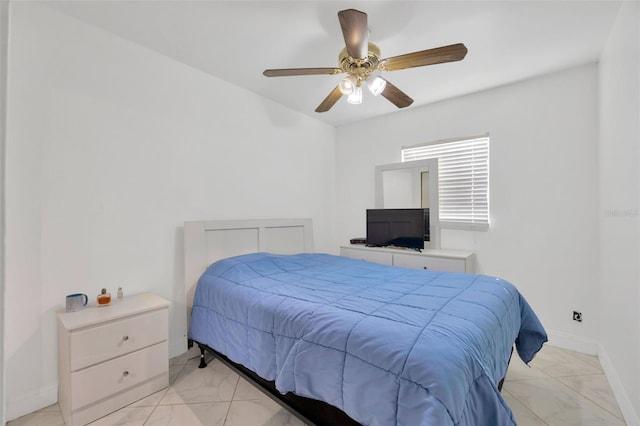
(360, 67)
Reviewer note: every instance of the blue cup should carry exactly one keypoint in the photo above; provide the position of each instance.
(76, 301)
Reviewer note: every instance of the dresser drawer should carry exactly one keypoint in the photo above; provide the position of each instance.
(94, 345)
(431, 263)
(370, 256)
(107, 379)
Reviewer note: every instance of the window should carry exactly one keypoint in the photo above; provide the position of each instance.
(463, 178)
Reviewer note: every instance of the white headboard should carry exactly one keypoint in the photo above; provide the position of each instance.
(208, 241)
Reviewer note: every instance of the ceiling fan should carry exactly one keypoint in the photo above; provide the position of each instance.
(361, 61)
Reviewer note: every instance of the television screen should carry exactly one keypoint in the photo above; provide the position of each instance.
(397, 227)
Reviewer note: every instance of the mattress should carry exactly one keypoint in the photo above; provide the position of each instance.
(384, 344)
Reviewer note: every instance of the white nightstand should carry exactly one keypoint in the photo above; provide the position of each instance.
(111, 356)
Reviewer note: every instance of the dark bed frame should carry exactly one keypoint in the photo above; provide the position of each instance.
(310, 411)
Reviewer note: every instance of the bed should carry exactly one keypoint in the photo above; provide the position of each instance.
(342, 341)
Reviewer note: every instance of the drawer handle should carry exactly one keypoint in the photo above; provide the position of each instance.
(125, 373)
(125, 338)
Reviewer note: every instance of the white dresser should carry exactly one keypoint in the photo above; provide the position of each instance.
(437, 260)
(111, 356)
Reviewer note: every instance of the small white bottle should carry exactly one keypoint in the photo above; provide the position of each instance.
(120, 294)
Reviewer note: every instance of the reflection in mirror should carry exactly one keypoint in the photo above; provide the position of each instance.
(412, 184)
(399, 190)
(424, 190)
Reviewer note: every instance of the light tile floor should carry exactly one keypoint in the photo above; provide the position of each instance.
(560, 388)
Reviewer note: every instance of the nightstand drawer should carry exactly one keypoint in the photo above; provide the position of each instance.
(94, 345)
(109, 378)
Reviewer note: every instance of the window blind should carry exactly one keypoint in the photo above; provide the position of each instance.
(463, 178)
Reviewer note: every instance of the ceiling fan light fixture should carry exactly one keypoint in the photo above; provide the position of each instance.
(355, 97)
(376, 85)
(348, 85)
(360, 60)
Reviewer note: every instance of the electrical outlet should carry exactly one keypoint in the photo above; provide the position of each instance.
(577, 316)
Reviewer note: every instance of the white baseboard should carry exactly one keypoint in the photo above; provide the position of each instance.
(573, 343)
(624, 402)
(33, 401)
(593, 347)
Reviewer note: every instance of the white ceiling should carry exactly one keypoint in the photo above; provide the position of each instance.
(236, 40)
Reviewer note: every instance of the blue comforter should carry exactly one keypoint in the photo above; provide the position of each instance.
(387, 345)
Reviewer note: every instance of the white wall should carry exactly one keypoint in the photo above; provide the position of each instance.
(543, 188)
(4, 41)
(110, 148)
(619, 216)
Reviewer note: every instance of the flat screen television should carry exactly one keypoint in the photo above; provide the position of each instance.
(397, 228)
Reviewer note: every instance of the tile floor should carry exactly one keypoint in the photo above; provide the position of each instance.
(560, 388)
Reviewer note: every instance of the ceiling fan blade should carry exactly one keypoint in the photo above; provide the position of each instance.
(301, 71)
(396, 96)
(355, 32)
(330, 100)
(451, 53)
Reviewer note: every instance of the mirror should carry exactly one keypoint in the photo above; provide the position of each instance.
(413, 184)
